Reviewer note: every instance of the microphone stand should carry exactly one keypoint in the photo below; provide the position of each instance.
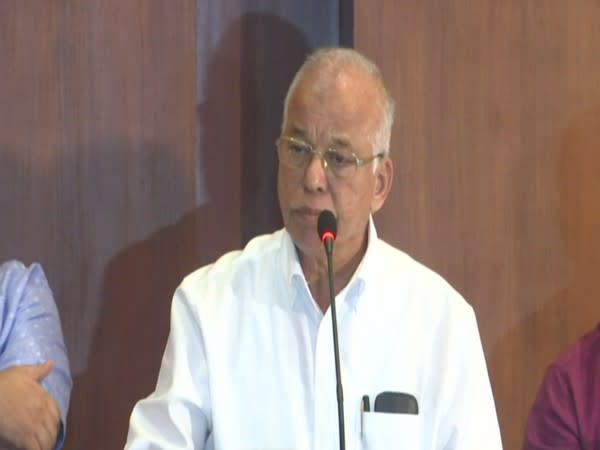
(336, 351)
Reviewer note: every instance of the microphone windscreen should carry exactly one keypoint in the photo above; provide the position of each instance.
(327, 223)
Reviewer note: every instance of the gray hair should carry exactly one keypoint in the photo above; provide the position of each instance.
(335, 57)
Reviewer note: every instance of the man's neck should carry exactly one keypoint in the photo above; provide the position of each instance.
(316, 272)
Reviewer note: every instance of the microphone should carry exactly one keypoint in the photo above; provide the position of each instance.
(327, 229)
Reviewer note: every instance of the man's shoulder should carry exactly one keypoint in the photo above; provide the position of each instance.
(399, 266)
(11, 270)
(585, 351)
(245, 263)
(15, 276)
(402, 261)
(418, 284)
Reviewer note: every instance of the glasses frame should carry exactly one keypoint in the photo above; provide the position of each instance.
(358, 162)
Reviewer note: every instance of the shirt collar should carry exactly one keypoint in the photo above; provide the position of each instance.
(365, 272)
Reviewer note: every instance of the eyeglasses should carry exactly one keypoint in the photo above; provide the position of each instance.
(297, 154)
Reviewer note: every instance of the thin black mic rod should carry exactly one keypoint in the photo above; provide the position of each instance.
(327, 228)
(336, 353)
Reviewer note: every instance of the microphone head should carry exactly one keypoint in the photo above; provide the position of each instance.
(327, 225)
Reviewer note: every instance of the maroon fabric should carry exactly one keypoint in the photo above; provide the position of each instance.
(566, 412)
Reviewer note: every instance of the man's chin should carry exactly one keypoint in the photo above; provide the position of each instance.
(306, 240)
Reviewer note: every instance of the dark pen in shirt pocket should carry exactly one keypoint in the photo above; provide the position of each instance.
(396, 402)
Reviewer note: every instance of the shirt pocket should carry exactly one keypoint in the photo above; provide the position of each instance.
(388, 431)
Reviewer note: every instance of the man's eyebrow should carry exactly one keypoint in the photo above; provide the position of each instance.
(340, 142)
(335, 141)
(299, 132)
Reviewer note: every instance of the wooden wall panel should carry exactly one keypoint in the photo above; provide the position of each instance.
(136, 144)
(496, 154)
(248, 52)
(97, 151)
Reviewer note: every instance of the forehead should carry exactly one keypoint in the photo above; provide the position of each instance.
(344, 104)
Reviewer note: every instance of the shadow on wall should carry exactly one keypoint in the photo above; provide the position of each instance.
(268, 67)
(559, 320)
(246, 83)
(131, 186)
(239, 122)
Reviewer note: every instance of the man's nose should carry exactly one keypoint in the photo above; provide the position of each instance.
(315, 173)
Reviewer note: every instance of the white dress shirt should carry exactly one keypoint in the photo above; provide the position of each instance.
(249, 361)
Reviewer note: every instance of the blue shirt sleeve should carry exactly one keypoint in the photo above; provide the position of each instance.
(30, 331)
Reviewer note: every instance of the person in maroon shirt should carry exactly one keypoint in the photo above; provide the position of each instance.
(566, 412)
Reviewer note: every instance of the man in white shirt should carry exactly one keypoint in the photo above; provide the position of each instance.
(249, 363)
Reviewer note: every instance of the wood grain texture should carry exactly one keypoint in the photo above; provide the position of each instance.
(97, 145)
(495, 147)
(137, 144)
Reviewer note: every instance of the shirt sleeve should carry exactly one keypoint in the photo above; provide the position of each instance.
(175, 415)
(552, 423)
(467, 410)
(31, 333)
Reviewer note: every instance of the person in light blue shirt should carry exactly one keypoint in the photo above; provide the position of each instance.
(35, 380)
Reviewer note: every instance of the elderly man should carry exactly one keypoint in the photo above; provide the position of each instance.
(35, 382)
(249, 363)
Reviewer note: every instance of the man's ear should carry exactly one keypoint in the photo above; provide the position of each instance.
(384, 176)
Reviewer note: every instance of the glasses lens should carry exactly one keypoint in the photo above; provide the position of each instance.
(297, 154)
(341, 163)
(293, 153)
